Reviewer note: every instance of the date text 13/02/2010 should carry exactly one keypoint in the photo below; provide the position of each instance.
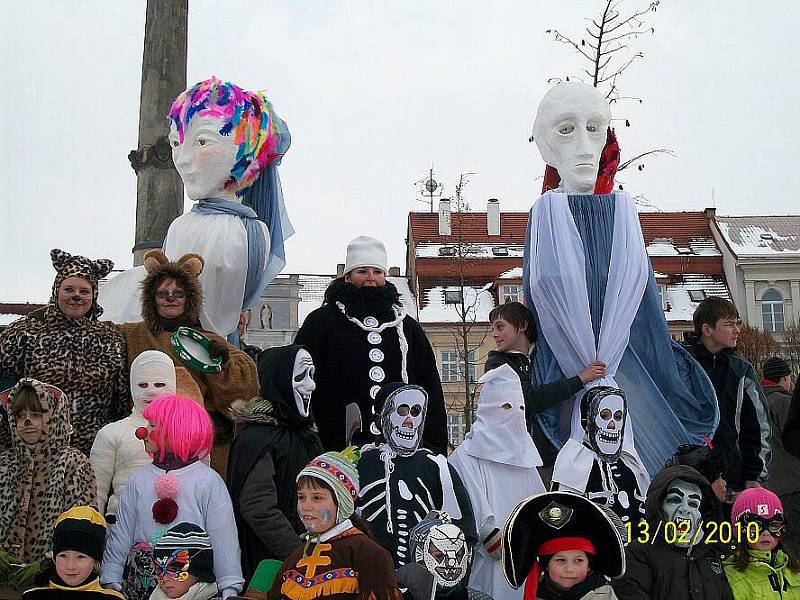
(709, 532)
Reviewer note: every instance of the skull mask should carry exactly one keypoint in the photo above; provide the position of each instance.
(441, 546)
(402, 418)
(604, 411)
(303, 381)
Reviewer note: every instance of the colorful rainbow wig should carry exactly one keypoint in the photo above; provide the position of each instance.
(260, 134)
(183, 427)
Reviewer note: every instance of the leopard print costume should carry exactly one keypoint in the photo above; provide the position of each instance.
(85, 358)
(39, 482)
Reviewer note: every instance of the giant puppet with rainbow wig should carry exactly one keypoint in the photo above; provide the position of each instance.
(590, 284)
(227, 143)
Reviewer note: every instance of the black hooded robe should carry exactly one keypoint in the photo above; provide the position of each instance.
(268, 452)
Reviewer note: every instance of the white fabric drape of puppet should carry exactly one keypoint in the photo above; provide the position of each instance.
(222, 242)
(559, 292)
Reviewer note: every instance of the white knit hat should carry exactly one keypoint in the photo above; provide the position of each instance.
(365, 251)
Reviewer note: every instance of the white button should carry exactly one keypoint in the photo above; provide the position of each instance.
(373, 391)
(374, 338)
(376, 355)
(376, 374)
(370, 321)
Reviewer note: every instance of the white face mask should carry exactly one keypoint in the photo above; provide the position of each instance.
(446, 554)
(604, 423)
(152, 375)
(403, 419)
(570, 132)
(303, 381)
(681, 505)
(205, 158)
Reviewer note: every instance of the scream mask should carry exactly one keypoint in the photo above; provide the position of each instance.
(681, 506)
(303, 381)
(402, 417)
(604, 411)
(441, 546)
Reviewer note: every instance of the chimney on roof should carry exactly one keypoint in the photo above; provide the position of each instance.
(394, 271)
(444, 217)
(493, 216)
(340, 270)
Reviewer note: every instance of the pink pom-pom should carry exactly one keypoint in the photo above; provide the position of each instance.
(167, 486)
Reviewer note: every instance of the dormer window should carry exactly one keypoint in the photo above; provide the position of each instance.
(500, 251)
(447, 251)
(697, 295)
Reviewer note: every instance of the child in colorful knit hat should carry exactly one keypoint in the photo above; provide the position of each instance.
(78, 540)
(184, 562)
(760, 567)
(338, 559)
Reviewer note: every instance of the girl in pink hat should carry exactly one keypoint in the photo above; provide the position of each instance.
(760, 567)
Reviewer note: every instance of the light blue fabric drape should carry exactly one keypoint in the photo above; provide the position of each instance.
(670, 396)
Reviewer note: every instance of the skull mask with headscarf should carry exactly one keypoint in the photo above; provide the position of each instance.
(400, 412)
(604, 411)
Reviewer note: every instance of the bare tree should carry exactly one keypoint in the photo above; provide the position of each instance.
(466, 338)
(605, 46)
(757, 346)
(791, 346)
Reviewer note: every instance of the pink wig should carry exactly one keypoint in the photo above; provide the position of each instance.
(183, 427)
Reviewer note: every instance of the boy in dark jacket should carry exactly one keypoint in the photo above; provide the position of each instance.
(743, 433)
(676, 553)
(514, 333)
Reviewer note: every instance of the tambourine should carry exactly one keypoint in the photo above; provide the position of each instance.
(192, 347)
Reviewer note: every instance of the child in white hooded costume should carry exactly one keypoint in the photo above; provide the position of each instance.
(497, 462)
(117, 453)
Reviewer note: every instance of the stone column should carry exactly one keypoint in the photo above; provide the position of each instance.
(753, 312)
(795, 287)
(159, 189)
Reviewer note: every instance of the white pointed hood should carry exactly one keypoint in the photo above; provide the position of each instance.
(500, 434)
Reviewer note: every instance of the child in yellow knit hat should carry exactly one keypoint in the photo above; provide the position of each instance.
(78, 541)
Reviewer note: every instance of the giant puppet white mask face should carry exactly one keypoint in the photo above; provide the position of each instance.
(681, 505)
(205, 158)
(570, 132)
(403, 419)
(152, 375)
(303, 381)
(604, 424)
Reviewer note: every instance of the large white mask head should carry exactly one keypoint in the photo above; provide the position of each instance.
(604, 411)
(205, 158)
(400, 411)
(681, 506)
(441, 546)
(570, 132)
(152, 375)
(303, 381)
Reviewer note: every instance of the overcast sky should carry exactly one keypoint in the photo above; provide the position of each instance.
(374, 93)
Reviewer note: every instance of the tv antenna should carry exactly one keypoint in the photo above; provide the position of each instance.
(430, 188)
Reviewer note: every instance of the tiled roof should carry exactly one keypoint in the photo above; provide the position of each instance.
(684, 228)
(761, 234)
(425, 228)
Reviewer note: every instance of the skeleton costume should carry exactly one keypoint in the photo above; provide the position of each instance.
(441, 560)
(401, 482)
(601, 468)
(497, 462)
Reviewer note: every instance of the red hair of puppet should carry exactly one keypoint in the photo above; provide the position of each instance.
(550, 547)
(183, 427)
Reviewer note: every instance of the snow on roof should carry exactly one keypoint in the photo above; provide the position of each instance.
(426, 250)
(312, 292)
(697, 246)
(515, 273)
(8, 318)
(760, 235)
(478, 300)
(681, 306)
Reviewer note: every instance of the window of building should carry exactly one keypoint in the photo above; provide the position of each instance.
(455, 427)
(697, 295)
(453, 367)
(500, 251)
(509, 293)
(772, 311)
(447, 251)
(452, 297)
